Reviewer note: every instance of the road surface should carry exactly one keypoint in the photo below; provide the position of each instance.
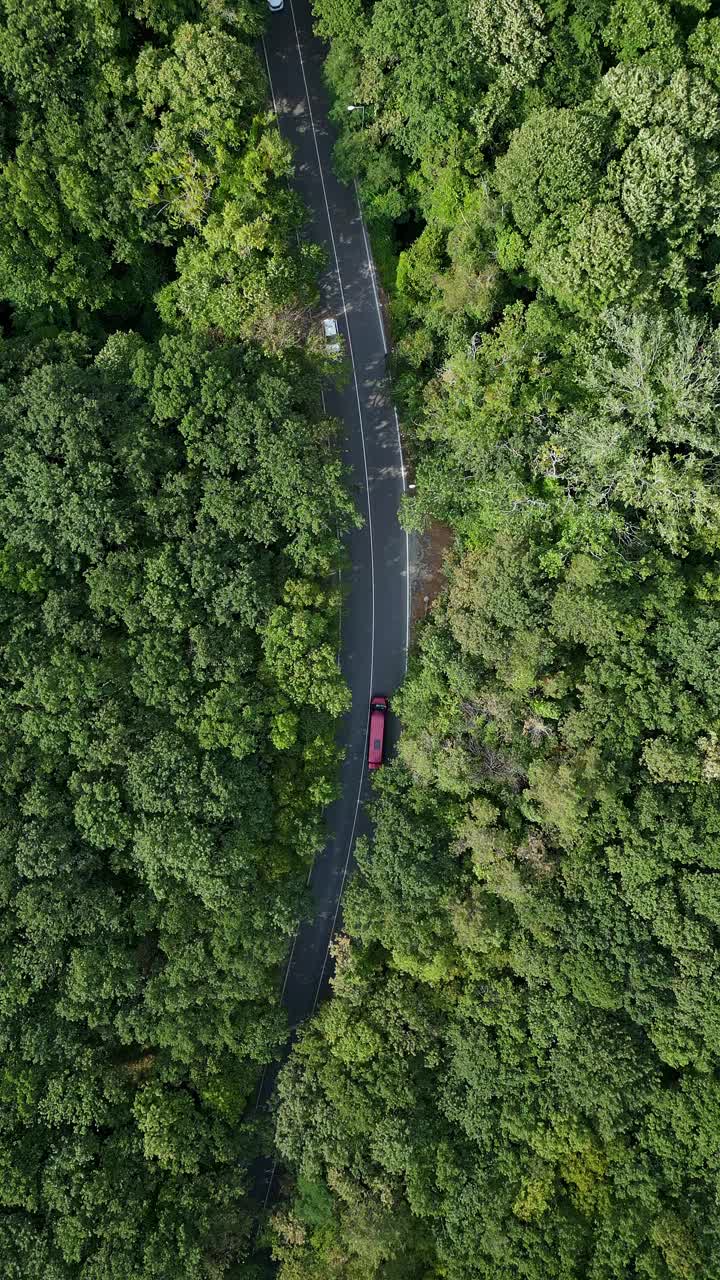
(375, 622)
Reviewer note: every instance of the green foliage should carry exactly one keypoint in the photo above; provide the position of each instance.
(517, 1071)
(531, 982)
(171, 503)
(155, 843)
(611, 208)
(579, 142)
(120, 146)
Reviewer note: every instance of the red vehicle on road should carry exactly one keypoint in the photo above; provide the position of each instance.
(378, 711)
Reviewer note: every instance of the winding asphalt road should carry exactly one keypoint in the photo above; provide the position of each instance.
(375, 624)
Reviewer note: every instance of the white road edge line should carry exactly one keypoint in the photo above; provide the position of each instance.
(271, 1179)
(381, 322)
(367, 488)
(367, 492)
(371, 268)
(407, 545)
(322, 399)
(272, 91)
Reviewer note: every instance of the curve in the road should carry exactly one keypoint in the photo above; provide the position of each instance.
(376, 618)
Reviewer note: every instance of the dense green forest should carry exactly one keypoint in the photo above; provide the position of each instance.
(518, 1074)
(170, 505)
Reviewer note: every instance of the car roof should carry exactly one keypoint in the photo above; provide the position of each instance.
(330, 327)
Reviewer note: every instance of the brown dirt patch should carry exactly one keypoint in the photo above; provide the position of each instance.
(428, 573)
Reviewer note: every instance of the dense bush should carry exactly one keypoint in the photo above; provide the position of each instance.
(162, 785)
(138, 152)
(518, 1071)
(171, 500)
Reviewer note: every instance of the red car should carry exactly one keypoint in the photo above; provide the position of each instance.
(378, 711)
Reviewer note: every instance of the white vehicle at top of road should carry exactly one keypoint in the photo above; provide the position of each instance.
(331, 332)
(276, 5)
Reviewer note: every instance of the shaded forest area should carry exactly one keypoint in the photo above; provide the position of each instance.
(171, 500)
(517, 1074)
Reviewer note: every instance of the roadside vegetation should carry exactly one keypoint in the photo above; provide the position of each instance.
(517, 1074)
(170, 505)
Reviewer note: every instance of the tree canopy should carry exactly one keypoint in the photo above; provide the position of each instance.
(164, 777)
(171, 507)
(517, 1073)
